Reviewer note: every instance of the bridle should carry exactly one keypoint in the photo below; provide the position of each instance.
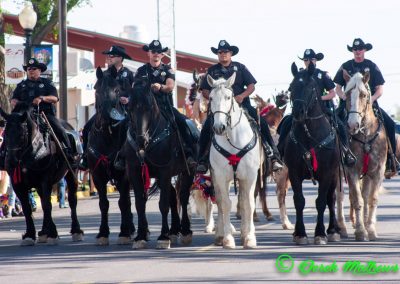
(362, 114)
(228, 113)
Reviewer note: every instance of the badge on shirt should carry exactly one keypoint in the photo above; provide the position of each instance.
(319, 76)
(163, 73)
(124, 74)
(366, 69)
(41, 85)
(235, 68)
(171, 71)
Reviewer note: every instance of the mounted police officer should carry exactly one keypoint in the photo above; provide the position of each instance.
(41, 93)
(162, 80)
(360, 64)
(115, 57)
(243, 87)
(327, 89)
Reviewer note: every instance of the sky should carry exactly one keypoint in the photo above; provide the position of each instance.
(270, 34)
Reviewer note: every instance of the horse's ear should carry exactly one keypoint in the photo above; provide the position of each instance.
(231, 80)
(210, 81)
(346, 76)
(196, 76)
(311, 69)
(99, 73)
(366, 77)
(294, 69)
(4, 114)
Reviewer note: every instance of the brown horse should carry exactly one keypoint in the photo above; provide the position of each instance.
(369, 144)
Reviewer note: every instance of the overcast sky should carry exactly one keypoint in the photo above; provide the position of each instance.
(269, 34)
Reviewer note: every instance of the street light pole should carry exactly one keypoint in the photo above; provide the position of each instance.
(27, 19)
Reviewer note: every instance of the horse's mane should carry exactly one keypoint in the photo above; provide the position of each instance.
(356, 81)
(22, 107)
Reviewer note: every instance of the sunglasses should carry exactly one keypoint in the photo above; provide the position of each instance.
(308, 59)
(32, 68)
(156, 51)
(358, 48)
(112, 56)
(223, 51)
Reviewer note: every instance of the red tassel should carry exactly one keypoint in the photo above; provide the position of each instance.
(146, 177)
(17, 174)
(233, 160)
(365, 163)
(314, 159)
(101, 159)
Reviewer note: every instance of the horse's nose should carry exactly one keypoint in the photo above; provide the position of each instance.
(219, 129)
(353, 126)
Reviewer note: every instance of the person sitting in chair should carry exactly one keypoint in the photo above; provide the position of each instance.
(243, 87)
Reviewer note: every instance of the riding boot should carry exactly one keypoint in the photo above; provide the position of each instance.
(277, 164)
(349, 158)
(392, 165)
(204, 146)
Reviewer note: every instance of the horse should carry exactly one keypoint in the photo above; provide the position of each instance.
(105, 140)
(33, 162)
(153, 150)
(369, 144)
(236, 154)
(311, 152)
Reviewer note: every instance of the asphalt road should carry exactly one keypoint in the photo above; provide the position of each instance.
(84, 262)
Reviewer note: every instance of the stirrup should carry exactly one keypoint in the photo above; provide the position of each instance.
(276, 165)
(201, 168)
(349, 159)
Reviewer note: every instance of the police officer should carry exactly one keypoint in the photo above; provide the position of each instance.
(162, 80)
(327, 89)
(41, 93)
(360, 64)
(243, 87)
(115, 57)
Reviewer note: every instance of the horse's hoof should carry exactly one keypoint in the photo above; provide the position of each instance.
(218, 241)
(27, 242)
(77, 237)
(287, 226)
(372, 235)
(124, 241)
(42, 239)
(361, 236)
(270, 218)
(343, 232)
(250, 243)
(163, 244)
(187, 240)
(228, 242)
(141, 244)
(173, 239)
(102, 241)
(300, 240)
(52, 241)
(209, 229)
(318, 240)
(335, 237)
(256, 218)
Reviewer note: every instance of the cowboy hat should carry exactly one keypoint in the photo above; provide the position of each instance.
(34, 63)
(224, 45)
(155, 45)
(310, 54)
(117, 51)
(359, 44)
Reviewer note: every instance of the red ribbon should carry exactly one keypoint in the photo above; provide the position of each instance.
(101, 159)
(145, 177)
(365, 163)
(200, 183)
(314, 159)
(233, 160)
(266, 109)
(17, 174)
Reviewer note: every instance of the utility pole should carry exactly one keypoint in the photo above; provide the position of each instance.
(62, 15)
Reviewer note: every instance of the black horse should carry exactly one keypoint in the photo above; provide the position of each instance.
(33, 161)
(105, 140)
(152, 149)
(311, 152)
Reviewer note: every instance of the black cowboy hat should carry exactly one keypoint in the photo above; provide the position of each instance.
(34, 63)
(310, 54)
(358, 43)
(118, 51)
(155, 45)
(224, 45)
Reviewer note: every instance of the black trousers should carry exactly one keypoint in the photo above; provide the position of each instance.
(59, 130)
(85, 132)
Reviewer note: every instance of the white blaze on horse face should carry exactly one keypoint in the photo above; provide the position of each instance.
(354, 119)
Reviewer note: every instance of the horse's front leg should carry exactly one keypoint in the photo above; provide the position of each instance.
(49, 233)
(163, 241)
(299, 235)
(221, 186)
(184, 195)
(76, 232)
(357, 202)
(333, 229)
(100, 182)
(175, 229)
(263, 199)
(374, 186)
(340, 209)
(29, 238)
(282, 186)
(247, 187)
(127, 228)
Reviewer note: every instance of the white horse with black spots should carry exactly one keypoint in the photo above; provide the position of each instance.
(235, 151)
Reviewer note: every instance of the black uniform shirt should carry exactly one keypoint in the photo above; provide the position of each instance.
(242, 80)
(28, 90)
(352, 67)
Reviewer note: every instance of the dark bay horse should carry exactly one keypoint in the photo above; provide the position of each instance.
(152, 150)
(105, 140)
(32, 161)
(311, 152)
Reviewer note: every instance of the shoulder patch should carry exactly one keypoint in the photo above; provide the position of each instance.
(172, 71)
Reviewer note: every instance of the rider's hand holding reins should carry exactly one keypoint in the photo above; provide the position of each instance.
(124, 100)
